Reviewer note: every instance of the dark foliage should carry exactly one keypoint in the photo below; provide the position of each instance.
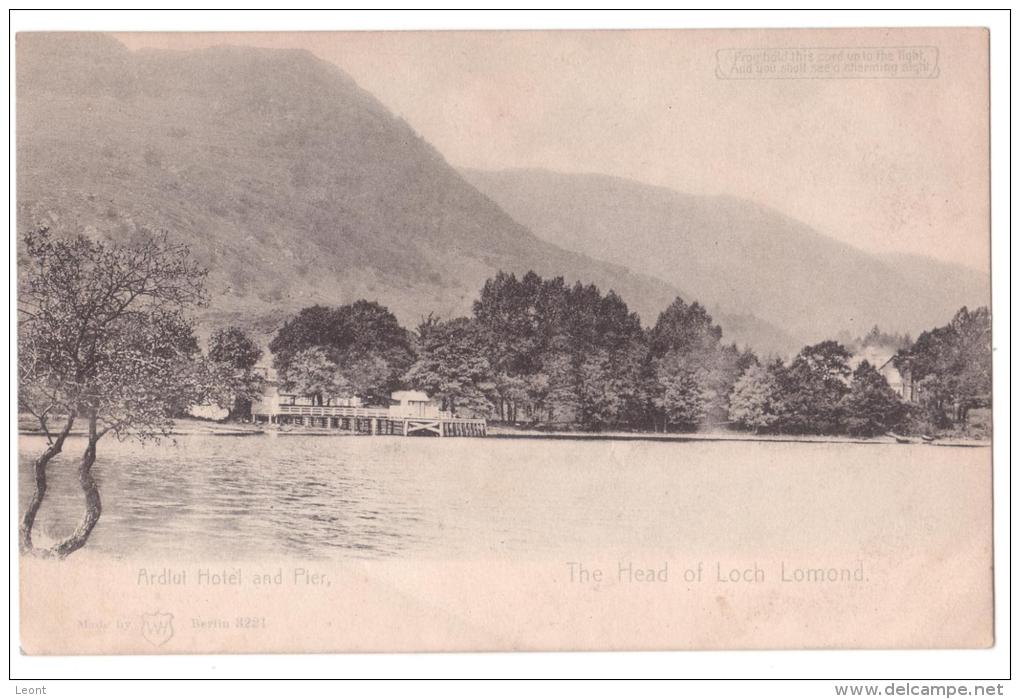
(234, 354)
(812, 388)
(369, 348)
(540, 352)
(951, 366)
(871, 407)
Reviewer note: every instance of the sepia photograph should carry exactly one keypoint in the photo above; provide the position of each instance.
(545, 340)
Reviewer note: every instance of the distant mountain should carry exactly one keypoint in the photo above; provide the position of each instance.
(936, 278)
(738, 256)
(291, 183)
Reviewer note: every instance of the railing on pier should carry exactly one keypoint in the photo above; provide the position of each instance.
(330, 411)
(347, 411)
(374, 420)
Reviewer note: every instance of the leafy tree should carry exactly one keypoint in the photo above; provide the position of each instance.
(718, 376)
(519, 319)
(516, 395)
(951, 366)
(233, 346)
(363, 339)
(871, 407)
(680, 396)
(812, 389)
(601, 391)
(512, 312)
(452, 365)
(315, 326)
(312, 372)
(558, 399)
(373, 376)
(687, 329)
(753, 402)
(103, 339)
(693, 372)
(634, 375)
(606, 347)
(235, 355)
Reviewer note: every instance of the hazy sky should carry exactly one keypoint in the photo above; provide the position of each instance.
(886, 165)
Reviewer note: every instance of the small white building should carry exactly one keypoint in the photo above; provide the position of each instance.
(895, 379)
(413, 404)
(272, 397)
(882, 359)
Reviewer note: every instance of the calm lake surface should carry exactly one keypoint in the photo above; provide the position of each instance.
(330, 497)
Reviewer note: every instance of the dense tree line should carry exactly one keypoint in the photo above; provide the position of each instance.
(948, 370)
(541, 352)
(816, 393)
(951, 367)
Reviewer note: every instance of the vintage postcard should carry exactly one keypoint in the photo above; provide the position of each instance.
(484, 341)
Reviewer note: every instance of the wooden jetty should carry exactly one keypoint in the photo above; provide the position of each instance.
(373, 421)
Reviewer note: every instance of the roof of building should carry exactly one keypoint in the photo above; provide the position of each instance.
(889, 363)
(878, 357)
(404, 396)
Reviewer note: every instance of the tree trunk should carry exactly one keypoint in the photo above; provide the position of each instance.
(28, 519)
(241, 409)
(93, 505)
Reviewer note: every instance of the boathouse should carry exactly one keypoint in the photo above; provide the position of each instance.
(413, 404)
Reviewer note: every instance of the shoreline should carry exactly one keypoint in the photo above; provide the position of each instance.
(185, 428)
(721, 436)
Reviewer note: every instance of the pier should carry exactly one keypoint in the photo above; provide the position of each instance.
(372, 421)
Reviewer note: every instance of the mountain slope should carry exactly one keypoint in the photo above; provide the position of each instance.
(737, 255)
(290, 183)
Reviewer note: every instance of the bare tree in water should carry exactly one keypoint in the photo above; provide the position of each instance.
(103, 343)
